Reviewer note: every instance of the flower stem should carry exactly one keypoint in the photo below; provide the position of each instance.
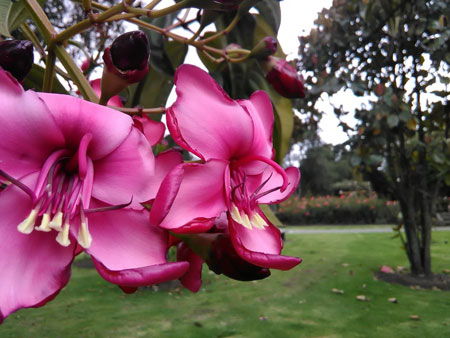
(41, 20)
(138, 111)
(49, 74)
(76, 74)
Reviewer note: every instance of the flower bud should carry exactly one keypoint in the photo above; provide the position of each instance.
(16, 56)
(264, 48)
(217, 250)
(223, 259)
(126, 62)
(284, 78)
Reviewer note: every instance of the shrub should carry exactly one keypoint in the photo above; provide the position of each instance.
(348, 208)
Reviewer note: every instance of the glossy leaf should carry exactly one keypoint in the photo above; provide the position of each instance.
(35, 78)
(5, 9)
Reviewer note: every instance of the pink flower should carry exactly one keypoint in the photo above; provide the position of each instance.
(70, 160)
(234, 138)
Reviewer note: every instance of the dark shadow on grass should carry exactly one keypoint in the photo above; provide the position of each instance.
(436, 281)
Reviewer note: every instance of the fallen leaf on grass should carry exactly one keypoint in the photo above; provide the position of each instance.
(393, 300)
(386, 269)
(345, 264)
(362, 298)
(447, 271)
(400, 268)
(414, 317)
(334, 290)
(263, 317)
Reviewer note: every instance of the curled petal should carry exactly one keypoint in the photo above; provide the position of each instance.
(205, 120)
(261, 111)
(192, 279)
(191, 192)
(144, 276)
(261, 247)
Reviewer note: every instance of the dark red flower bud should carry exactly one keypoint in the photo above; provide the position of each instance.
(264, 48)
(130, 51)
(16, 56)
(217, 5)
(284, 78)
(223, 259)
(126, 62)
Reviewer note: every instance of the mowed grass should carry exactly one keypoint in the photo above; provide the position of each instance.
(296, 303)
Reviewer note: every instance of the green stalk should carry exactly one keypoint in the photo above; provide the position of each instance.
(41, 20)
(49, 74)
(75, 73)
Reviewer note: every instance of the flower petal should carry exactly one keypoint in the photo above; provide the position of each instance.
(153, 130)
(205, 120)
(34, 267)
(261, 247)
(76, 117)
(164, 163)
(28, 130)
(144, 276)
(191, 192)
(96, 86)
(192, 279)
(275, 180)
(261, 111)
(123, 239)
(126, 173)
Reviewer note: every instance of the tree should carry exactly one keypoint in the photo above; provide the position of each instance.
(396, 54)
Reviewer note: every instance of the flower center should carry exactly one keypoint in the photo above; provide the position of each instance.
(247, 189)
(62, 193)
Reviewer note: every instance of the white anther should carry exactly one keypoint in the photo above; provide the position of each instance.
(63, 236)
(56, 222)
(27, 225)
(258, 221)
(235, 214)
(44, 223)
(84, 237)
(246, 221)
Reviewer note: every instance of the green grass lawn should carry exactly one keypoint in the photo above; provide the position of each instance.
(297, 303)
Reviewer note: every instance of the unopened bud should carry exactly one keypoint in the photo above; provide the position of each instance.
(284, 78)
(16, 56)
(223, 259)
(126, 62)
(264, 48)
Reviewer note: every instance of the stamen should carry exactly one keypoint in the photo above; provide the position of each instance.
(84, 237)
(235, 214)
(258, 221)
(27, 225)
(19, 184)
(44, 223)
(63, 236)
(267, 192)
(56, 221)
(246, 221)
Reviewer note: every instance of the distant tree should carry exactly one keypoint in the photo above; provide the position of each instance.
(395, 53)
(321, 168)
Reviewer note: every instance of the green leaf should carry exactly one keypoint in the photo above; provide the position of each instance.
(35, 79)
(19, 14)
(176, 52)
(5, 9)
(151, 92)
(271, 12)
(158, 56)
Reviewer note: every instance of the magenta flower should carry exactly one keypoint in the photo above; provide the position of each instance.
(68, 162)
(234, 138)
